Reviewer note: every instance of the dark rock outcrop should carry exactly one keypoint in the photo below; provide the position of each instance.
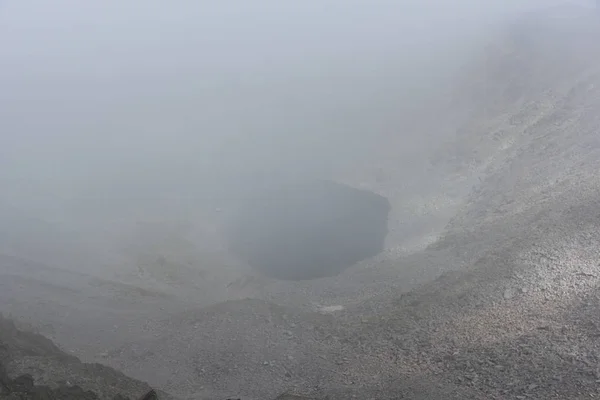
(33, 368)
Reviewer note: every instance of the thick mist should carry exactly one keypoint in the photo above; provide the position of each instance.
(101, 91)
(132, 100)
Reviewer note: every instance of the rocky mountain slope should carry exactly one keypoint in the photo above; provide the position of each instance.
(517, 317)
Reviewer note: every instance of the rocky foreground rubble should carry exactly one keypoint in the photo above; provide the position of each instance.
(33, 368)
(23, 387)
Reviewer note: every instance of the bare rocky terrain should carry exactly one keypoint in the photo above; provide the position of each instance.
(502, 303)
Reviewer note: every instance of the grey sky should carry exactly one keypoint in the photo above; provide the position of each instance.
(98, 89)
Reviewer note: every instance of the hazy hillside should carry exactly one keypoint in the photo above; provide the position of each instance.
(533, 139)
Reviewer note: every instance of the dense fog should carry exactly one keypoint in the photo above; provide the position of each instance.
(96, 95)
(107, 105)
